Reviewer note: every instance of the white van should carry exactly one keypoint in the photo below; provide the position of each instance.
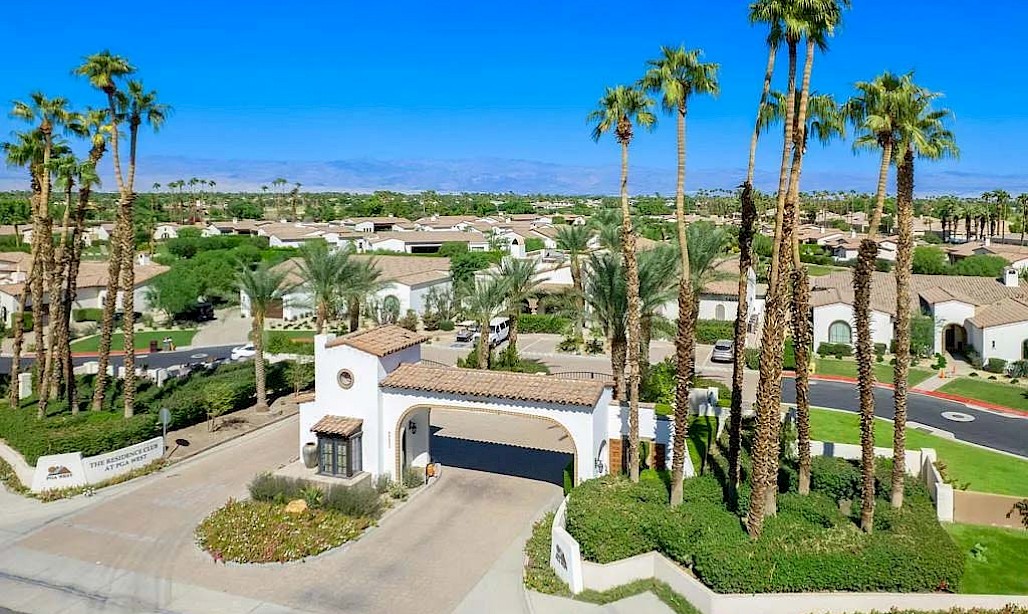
(499, 330)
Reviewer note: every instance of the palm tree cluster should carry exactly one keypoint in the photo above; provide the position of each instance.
(128, 106)
(890, 114)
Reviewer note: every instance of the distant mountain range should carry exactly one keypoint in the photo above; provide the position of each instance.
(502, 175)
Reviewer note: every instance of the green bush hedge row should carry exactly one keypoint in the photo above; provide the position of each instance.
(810, 545)
(835, 349)
(709, 331)
(542, 323)
(88, 314)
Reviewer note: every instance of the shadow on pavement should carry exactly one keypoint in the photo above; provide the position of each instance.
(541, 465)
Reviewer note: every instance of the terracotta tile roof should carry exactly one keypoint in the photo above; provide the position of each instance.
(381, 340)
(975, 291)
(1007, 311)
(496, 384)
(443, 221)
(382, 219)
(407, 270)
(337, 425)
(431, 236)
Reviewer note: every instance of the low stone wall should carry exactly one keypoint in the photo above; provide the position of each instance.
(940, 491)
(986, 509)
(851, 451)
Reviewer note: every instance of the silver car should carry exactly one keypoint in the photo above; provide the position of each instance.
(723, 351)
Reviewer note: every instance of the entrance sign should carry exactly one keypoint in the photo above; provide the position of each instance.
(565, 552)
(71, 469)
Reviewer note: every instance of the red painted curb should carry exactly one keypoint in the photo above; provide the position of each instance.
(928, 393)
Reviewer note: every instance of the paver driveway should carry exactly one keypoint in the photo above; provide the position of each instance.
(140, 553)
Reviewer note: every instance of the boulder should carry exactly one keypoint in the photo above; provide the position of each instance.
(296, 506)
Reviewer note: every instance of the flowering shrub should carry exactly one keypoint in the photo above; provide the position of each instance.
(262, 532)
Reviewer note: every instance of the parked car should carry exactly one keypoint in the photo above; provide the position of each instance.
(499, 330)
(723, 351)
(243, 352)
(467, 331)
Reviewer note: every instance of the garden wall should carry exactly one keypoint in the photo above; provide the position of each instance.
(985, 509)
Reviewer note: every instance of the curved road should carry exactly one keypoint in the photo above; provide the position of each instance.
(159, 359)
(992, 429)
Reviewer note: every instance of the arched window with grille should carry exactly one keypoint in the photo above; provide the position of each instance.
(840, 332)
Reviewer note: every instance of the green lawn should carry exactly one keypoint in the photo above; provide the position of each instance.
(302, 335)
(1000, 566)
(883, 370)
(817, 270)
(1007, 395)
(982, 470)
(701, 429)
(178, 337)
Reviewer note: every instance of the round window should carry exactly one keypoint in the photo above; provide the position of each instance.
(345, 378)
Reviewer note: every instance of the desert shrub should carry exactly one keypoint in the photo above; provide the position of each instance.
(570, 343)
(974, 358)
(543, 323)
(274, 488)
(1018, 368)
(539, 576)
(413, 477)
(357, 501)
(709, 331)
(995, 365)
(446, 325)
(409, 320)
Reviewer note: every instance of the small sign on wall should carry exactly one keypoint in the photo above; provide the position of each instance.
(58, 471)
(566, 559)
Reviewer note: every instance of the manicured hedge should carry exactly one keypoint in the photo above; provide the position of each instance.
(835, 349)
(88, 432)
(88, 315)
(709, 331)
(810, 545)
(543, 323)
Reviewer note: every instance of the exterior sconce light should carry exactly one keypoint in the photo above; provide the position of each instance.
(412, 427)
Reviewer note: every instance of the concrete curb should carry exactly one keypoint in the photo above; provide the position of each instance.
(928, 393)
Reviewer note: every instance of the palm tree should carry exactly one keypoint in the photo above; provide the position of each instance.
(619, 110)
(138, 107)
(824, 121)
(521, 281)
(1022, 202)
(920, 133)
(676, 76)
(813, 21)
(263, 287)
(278, 183)
(658, 270)
(364, 279)
(767, 12)
(876, 112)
(607, 296)
(323, 272)
(488, 301)
(104, 70)
(573, 240)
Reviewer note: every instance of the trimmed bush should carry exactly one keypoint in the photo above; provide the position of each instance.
(446, 325)
(995, 365)
(88, 315)
(834, 349)
(88, 432)
(359, 501)
(810, 545)
(836, 477)
(543, 323)
(709, 331)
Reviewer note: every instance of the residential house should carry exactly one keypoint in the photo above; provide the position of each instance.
(443, 223)
(427, 242)
(987, 315)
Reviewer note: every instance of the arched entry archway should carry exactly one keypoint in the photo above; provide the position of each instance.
(954, 338)
(485, 439)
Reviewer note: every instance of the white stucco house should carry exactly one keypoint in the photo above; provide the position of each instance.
(987, 315)
(427, 242)
(410, 279)
(371, 407)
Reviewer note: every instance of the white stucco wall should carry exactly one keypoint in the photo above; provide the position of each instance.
(1006, 342)
(952, 312)
(824, 316)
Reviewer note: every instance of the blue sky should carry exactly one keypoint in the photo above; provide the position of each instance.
(436, 81)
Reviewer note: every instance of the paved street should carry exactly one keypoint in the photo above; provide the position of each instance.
(131, 547)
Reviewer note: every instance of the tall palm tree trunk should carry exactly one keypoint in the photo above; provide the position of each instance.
(576, 281)
(107, 319)
(746, 230)
(801, 327)
(772, 336)
(58, 321)
(901, 372)
(19, 336)
(862, 275)
(42, 234)
(128, 284)
(632, 277)
(483, 344)
(258, 365)
(618, 358)
(355, 314)
(685, 338)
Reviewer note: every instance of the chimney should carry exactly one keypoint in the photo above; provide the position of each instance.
(1010, 277)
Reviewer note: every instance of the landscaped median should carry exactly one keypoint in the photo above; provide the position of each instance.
(288, 519)
(612, 538)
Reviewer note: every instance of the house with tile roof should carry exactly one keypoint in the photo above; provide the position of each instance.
(409, 279)
(371, 411)
(426, 241)
(987, 315)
